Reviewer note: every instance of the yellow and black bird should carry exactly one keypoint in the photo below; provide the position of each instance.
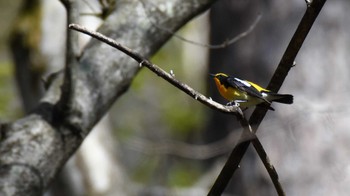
(245, 93)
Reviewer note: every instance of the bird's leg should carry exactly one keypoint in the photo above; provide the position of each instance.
(233, 103)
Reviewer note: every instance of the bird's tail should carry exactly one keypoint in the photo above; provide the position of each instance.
(282, 98)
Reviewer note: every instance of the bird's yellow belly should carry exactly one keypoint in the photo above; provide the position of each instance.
(236, 95)
(232, 94)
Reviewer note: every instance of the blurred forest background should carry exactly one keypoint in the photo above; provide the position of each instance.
(158, 141)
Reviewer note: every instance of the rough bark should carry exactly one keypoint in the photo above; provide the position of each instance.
(34, 148)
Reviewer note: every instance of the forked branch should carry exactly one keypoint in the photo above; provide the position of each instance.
(287, 61)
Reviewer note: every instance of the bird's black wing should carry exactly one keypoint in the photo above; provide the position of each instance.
(245, 87)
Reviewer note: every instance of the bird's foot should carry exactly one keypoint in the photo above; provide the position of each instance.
(233, 103)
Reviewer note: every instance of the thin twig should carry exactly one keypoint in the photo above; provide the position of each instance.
(287, 61)
(262, 155)
(210, 46)
(269, 167)
(225, 43)
(160, 72)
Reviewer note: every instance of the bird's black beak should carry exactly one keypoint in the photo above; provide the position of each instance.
(212, 75)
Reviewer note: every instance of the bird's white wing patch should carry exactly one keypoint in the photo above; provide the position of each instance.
(264, 94)
(243, 82)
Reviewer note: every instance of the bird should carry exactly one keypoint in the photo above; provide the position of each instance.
(244, 93)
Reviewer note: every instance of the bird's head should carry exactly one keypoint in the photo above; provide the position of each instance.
(219, 77)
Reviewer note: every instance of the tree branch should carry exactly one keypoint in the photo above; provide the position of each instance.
(157, 70)
(268, 166)
(72, 51)
(276, 82)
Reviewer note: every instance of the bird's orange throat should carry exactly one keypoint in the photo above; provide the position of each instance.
(223, 90)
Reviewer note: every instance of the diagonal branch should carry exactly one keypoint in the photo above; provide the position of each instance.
(276, 82)
(268, 166)
(248, 131)
(157, 70)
